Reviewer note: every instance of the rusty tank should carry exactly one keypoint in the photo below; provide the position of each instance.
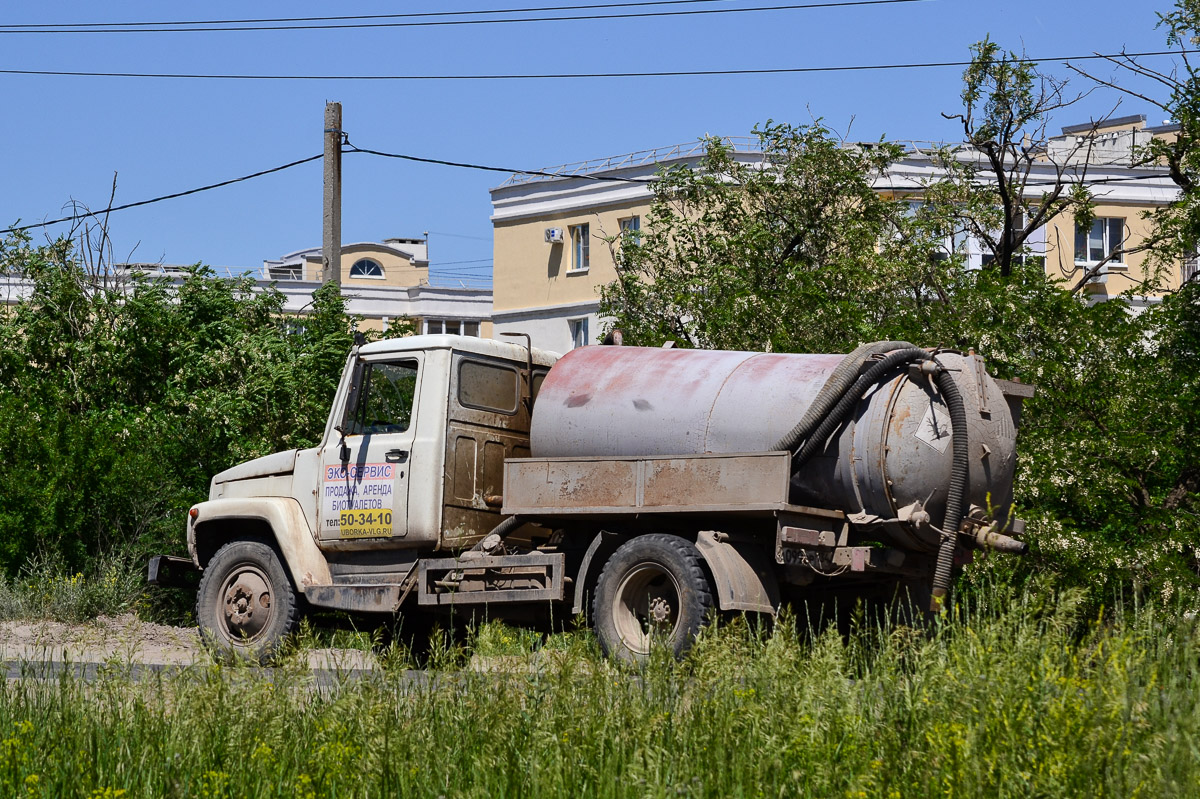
(888, 466)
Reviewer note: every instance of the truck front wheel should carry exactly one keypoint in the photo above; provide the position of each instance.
(245, 604)
(653, 590)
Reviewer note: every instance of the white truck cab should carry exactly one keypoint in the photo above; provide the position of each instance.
(411, 460)
(414, 444)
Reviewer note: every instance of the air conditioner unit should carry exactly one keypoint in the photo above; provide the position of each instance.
(554, 235)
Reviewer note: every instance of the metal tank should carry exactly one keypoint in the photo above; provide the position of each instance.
(895, 451)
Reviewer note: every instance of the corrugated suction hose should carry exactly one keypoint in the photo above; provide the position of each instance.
(506, 526)
(838, 398)
(956, 497)
(839, 383)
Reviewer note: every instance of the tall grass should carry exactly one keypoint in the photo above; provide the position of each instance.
(1009, 697)
(46, 589)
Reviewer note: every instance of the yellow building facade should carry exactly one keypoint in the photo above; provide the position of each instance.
(553, 238)
(1124, 197)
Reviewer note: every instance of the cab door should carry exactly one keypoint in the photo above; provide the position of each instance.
(364, 487)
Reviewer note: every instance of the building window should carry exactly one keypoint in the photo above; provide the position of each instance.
(954, 240)
(1032, 251)
(579, 332)
(1190, 268)
(580, 248)
(453, 327)
(365, 267)
(1095, 244)
(631, 228)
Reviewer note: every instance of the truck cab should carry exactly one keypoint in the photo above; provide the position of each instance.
(411, 462)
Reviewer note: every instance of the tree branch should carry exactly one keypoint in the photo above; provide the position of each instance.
(1118, 87)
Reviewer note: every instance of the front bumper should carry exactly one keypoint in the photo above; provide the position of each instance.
(172, 572)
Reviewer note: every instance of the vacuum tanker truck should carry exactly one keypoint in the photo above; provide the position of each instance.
(647, 489)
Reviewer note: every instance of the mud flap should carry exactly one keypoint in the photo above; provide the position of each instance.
(743, 574)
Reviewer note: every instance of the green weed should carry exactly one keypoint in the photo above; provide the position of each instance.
(1010, 695)
(45, 589)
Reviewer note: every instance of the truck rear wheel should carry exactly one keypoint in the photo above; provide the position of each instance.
(653, 590)
(245, 604)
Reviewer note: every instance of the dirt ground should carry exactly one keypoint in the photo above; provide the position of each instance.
(126, 639)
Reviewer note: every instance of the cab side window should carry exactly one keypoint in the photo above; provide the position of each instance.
(385, 401)
(488, 386)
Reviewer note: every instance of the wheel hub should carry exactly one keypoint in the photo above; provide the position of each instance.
(645, 607)
(247, 603)
(658, 610)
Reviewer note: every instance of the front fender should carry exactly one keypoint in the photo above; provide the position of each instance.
(283, 515)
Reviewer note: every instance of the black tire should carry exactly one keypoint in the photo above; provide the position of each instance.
(246, 604)
(653, 590)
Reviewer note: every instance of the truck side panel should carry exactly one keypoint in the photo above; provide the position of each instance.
(600, 487)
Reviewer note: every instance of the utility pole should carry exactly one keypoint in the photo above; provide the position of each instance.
(331, 227)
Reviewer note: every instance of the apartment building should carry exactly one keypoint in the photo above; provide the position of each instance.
(385, 282)
(1124, 194)
(554, 237)
(1104, 158)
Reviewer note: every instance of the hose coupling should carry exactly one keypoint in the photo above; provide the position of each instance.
(988, 538)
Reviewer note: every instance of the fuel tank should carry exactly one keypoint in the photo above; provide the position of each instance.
(894, 450)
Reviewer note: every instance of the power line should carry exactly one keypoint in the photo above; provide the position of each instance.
(613, 178)
(439, 162)
(481, 167)
(574, 75)
(539, 173)
(919, 188)
(1104, 181)
(474, 261)
(446, 22)
(498, 11)
(347, 17)
(111, 208)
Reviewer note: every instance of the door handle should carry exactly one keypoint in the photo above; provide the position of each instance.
(396, 456)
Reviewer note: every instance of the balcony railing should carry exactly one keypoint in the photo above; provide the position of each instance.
(285, 274)
(739, 144)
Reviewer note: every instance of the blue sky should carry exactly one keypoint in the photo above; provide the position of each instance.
(64, 137)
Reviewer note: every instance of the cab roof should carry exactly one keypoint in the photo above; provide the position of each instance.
(473, 344)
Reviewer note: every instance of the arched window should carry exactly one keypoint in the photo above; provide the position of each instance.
(365, 267)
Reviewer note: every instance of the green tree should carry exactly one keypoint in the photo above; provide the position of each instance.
(778, 251)
(121, 397)
(1177, 224)
(1002, 184)
(1109, 474)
